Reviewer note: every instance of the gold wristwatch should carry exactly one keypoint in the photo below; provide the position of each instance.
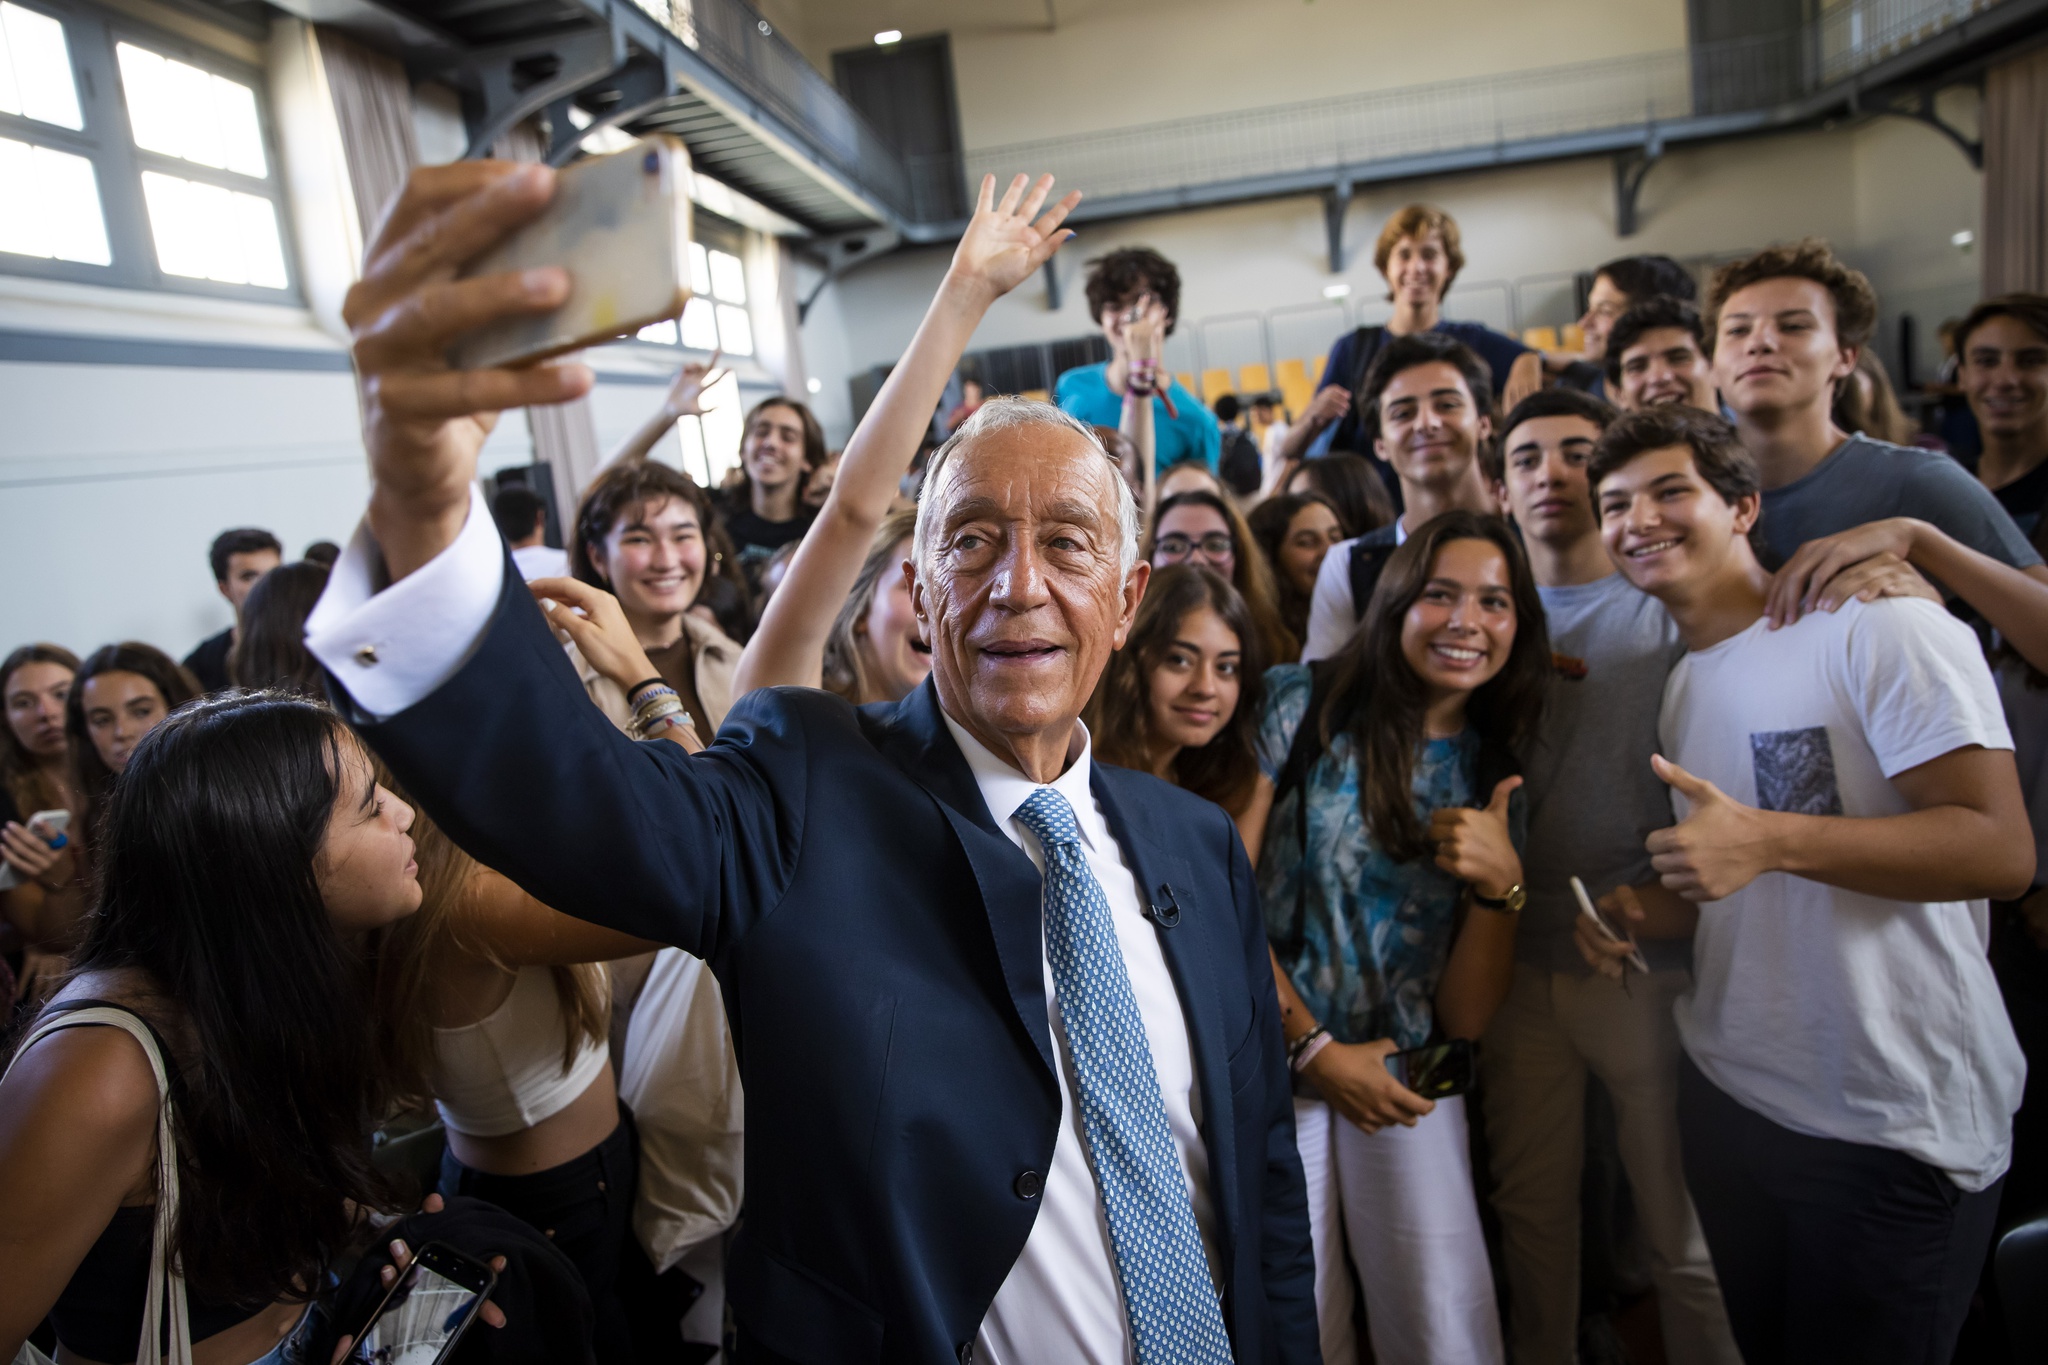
(1509, 904)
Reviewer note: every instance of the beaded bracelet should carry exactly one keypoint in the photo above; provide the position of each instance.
(1308, 1054)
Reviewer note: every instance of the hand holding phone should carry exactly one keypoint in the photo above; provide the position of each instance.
(1437, 1071)
(31, 850)
(429, 1303)
(1595, 921)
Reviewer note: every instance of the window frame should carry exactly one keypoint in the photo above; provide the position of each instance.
(107, 141)
(713, 232)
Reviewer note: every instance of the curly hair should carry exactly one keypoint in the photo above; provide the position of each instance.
(1119, 277)
(1419, 220)
(1810, 258)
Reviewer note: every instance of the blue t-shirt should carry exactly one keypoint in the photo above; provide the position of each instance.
(1193, 435)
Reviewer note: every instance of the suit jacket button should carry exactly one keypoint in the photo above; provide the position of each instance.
(1029, 1185)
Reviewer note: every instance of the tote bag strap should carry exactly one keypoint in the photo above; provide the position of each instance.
(164, 1274)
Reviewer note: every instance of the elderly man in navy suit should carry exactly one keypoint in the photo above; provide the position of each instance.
(1016, 1090)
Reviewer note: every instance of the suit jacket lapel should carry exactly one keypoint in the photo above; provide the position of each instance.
(917, 740)
(1195, 939)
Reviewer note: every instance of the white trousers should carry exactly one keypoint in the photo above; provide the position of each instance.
(1551, 1030)
(1404, 1200)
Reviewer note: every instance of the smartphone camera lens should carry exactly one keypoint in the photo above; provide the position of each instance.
(651, 163)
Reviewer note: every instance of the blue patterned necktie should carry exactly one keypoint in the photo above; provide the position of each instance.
(1168, 1295)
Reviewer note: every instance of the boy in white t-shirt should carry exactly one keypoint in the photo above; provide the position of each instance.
(1848, 801)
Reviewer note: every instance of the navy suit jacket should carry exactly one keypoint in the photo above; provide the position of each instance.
(878, 940)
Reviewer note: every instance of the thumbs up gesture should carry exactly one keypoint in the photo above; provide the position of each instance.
(1720, 847)
(1473, 844)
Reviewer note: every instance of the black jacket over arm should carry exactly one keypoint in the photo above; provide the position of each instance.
(878, 940)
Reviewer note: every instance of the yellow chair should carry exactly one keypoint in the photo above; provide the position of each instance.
(1540, 338)
(1296, 388)
(1040, 394)
(1573, 336)
(1315, 369)
(1186, 379)
(1254, 379)
(1215, 383)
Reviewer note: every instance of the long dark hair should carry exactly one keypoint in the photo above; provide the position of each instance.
(1270, 522)
(1377, 696)
(20, 773)
(1119, 715)
(130, 656)
(270, 643)
(207, 888)
(1250, 574)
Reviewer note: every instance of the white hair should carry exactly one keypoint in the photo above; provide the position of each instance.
(1000, 414)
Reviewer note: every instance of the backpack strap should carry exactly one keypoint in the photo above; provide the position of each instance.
(1365, 348)
(166, 1280)
(1367, 562)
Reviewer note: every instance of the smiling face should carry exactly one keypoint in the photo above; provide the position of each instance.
(773, 447)
(1310, 534)
(2004, 375)
(1459, 632)
(1418, 269)
(654, 559)
(1194, 534)
(1665, 527)
(1665, 365)
(1195, 685)
(1020, 590)
(1604, 306)
(894, 657)
(120, 708)
(1430, 427)
(1545, 491)
(35, 695)
(1775, 350)
(366, 871)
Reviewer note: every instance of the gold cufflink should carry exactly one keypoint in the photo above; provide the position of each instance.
(367, 655)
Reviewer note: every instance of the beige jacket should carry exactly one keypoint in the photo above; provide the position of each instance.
(717, 661)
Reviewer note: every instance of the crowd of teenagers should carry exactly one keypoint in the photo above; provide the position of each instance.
(1688, 620)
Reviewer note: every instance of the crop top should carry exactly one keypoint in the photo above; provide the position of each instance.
(504, 1073)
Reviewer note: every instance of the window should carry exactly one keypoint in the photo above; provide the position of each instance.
(716, 316)
(134, 159)
(710, 444)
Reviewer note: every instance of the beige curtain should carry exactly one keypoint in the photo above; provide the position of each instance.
(373, 106)
(2016, 175)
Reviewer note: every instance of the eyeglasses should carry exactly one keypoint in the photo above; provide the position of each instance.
(1214, 546)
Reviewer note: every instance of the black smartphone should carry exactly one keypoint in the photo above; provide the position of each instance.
(1436, 1072)
(427, 1309)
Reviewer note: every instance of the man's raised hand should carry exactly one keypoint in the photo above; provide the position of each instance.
(423, 421)
(1003, 243)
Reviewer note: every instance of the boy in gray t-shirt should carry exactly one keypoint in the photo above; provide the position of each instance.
(1593, 800)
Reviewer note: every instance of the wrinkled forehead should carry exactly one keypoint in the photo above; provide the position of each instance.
(1026, 471)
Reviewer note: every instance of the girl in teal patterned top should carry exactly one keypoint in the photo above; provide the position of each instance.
(1390, 879)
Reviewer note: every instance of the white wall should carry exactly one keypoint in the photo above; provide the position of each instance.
(1116, 63)
(1888, 193)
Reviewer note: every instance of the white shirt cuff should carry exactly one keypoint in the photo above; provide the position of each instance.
(391, 648)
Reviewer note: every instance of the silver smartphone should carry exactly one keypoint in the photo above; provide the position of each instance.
(56, 822)
(1586, 910)
(620, 225)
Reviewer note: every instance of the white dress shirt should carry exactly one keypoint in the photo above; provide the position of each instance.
(541, 561)
(1062, 1300)
(1332, 616)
